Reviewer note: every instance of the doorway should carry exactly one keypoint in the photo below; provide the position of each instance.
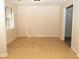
(68, 25)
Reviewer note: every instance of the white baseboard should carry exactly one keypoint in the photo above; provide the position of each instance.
(74, 50)
(77, 54)
(12, 39)
(3, 55)
(38, 36)
(9, 41)
(23, 36)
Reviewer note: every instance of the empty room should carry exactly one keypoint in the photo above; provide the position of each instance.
(39, 29)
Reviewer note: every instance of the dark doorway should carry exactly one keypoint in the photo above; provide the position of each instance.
(68, 25)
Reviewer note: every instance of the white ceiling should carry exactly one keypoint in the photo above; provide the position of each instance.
(32, 2)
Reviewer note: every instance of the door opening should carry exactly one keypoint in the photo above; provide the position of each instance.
(68, 25)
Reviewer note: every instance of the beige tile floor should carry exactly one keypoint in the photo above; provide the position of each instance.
(39, 48)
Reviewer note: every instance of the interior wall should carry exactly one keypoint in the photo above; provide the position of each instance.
(62, 22)
(78, 26)
(38, 21)
(75, 24)
(3, 42)
(11, 33)
(75, 31)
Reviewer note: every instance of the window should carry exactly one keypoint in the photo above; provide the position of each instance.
(9, 18)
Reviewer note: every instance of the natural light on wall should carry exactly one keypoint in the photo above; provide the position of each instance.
(9, 18)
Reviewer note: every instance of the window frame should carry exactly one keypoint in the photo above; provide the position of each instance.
(11, 26)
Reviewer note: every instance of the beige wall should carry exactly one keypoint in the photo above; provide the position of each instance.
(75, 25)
(75, 31)
(38, 21)
(3, 42)
(68, 2)
(74, 44)
(61, 22)
(11, 33)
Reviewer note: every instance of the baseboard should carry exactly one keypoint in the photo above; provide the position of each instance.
(3, 55)
(11, 40)
(77, 54)
(38, 36)
(23, 36)
(32, 36)
(74, 50)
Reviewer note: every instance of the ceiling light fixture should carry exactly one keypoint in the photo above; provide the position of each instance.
(19, 0)
(37, 1)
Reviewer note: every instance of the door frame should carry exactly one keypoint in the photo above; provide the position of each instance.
(64, 19)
